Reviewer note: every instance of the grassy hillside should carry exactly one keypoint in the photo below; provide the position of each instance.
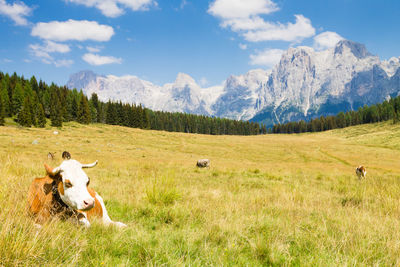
(266, 200)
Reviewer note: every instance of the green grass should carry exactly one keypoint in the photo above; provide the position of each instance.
(266, 201)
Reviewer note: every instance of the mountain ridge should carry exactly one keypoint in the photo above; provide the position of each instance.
(305, 83)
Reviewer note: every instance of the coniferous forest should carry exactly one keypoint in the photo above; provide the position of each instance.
(388, 110)
(30, 102)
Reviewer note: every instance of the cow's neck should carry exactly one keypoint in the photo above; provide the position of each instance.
(59, 205)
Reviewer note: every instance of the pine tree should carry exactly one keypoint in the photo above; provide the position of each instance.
(340, 120)
(2, 111)
(145, 119)
(136, 118)
(17, 98)
(68, 104)
(55, 111)
(4, 96)
(27, 89)
(111, 113)
(46, 101)
(120, 113)
(124, 115)
(41, 119)
(93, 113)
(42, 86)
(84, 111)
(24, 115)
(74, 105)
(34, 108)
(63, 100)
(34, 84)
(101, 112)
(94, 100)
(12, 83)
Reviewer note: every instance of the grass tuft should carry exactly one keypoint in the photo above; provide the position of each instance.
(163, 191)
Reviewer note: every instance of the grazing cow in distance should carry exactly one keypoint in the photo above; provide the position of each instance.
(361, 172)
(64, 192)
(51, 156)
(203, 163)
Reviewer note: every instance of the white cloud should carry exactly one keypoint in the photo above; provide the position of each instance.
(243, 46)
(81, 30)
(244, 17)
(229, 9)
(326, 40)
(115, 8)
(97, 60)
(245, 24)
(56, 47)
(268, 57)
(7, 60)
(291, 32)
(43, 53)
(93, 49)
(17, 11)
(63, 62)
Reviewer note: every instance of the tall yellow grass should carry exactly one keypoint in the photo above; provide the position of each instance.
(266, 200)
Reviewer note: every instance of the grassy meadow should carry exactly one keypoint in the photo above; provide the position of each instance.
(266, 200)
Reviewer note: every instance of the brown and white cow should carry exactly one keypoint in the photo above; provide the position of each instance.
(361, 172)
(64, 192)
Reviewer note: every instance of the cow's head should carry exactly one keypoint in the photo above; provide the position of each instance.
(73, 183)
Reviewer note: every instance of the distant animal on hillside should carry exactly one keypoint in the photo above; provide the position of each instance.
(64, 192)
(51, 156)
(361, 171)
(66, 155)
(203, 163)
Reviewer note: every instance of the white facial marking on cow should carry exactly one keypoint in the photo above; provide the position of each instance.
(75, 182)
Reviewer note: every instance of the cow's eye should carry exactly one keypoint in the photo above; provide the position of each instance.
(88, 182)
(68, 183)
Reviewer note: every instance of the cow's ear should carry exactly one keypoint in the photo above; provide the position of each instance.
(52, 173)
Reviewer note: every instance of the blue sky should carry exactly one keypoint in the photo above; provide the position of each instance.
(157, 39)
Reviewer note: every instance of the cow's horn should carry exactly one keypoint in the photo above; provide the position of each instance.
(91, 165)
(51, 171)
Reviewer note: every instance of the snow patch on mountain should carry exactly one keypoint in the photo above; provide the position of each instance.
(390, 66)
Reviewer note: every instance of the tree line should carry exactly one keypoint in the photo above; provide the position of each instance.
(387, 110)
(31, 102)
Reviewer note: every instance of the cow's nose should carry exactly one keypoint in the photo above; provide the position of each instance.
(89, 203)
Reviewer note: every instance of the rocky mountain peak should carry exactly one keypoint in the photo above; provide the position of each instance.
(182, 80)
(81, 79)
(357, 49)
